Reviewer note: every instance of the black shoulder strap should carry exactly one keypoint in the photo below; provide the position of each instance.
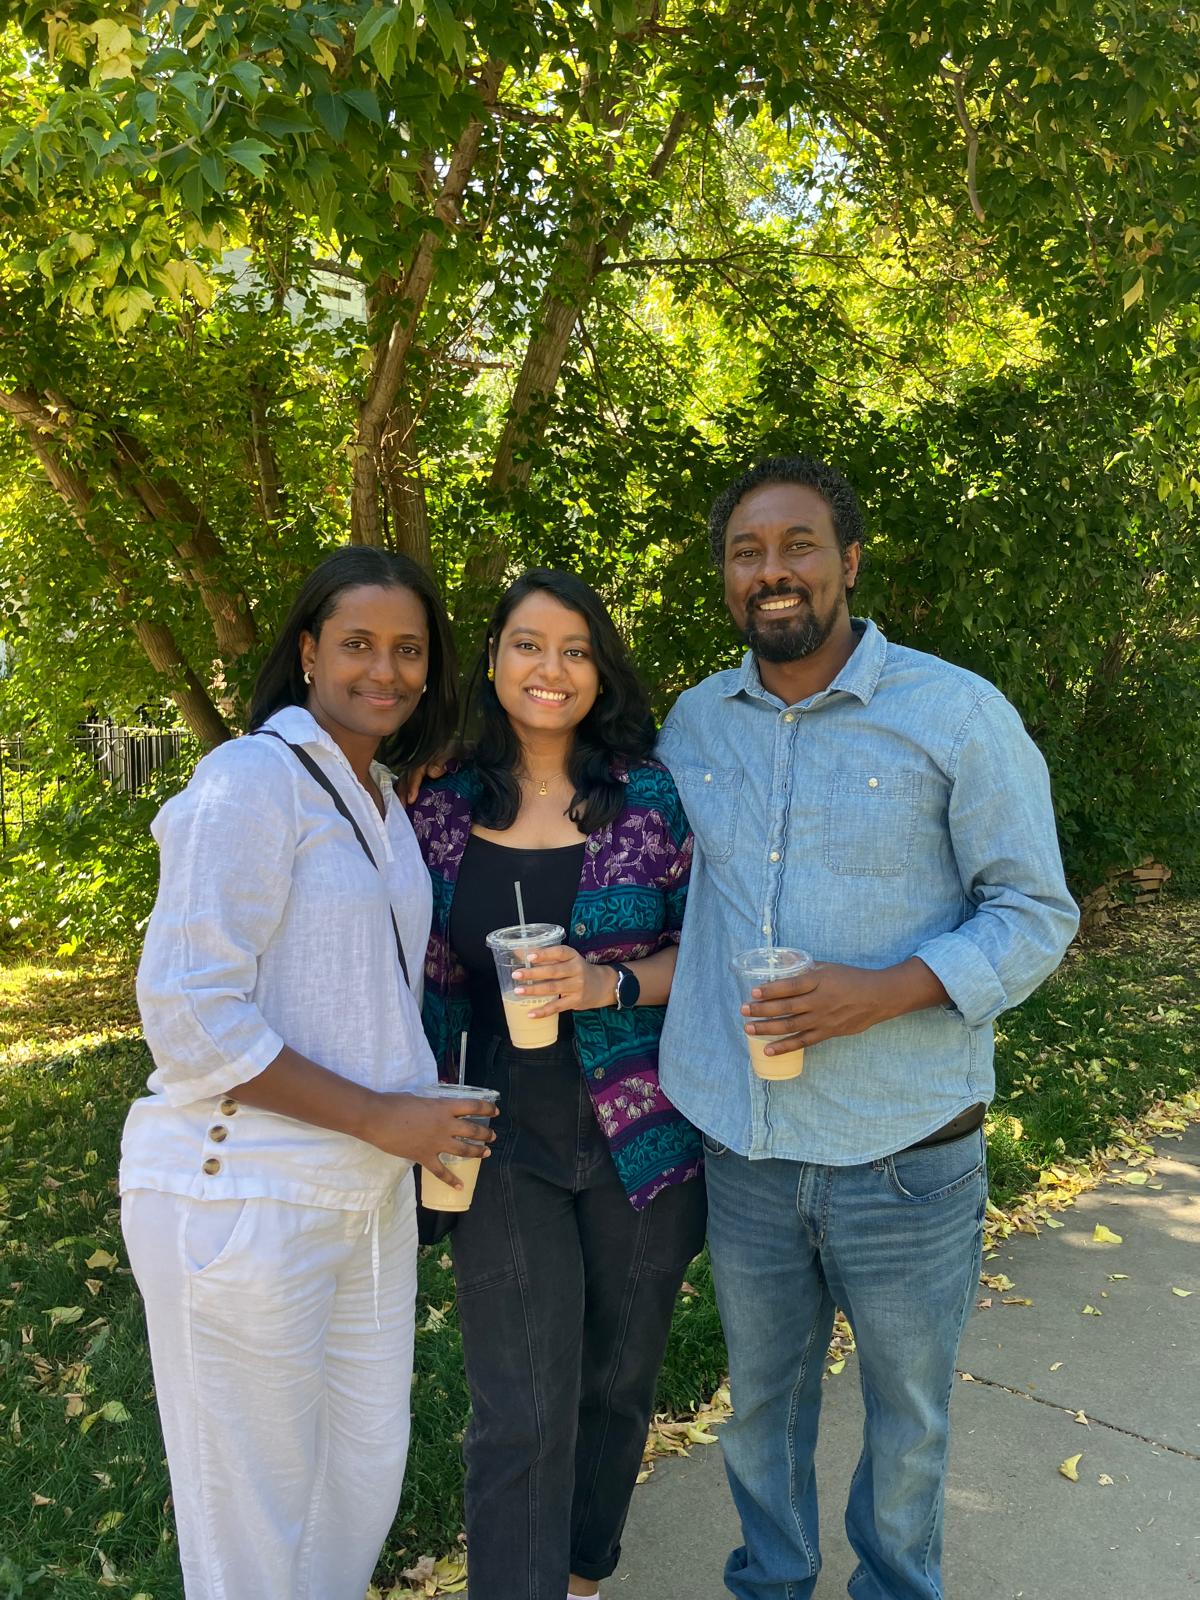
(314, 772)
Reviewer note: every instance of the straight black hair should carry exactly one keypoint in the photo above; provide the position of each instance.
(617, 732)
(280, 681)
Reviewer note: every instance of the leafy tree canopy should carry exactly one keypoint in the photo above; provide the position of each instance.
(528, 281)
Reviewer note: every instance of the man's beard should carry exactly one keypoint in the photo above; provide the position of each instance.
(790, 641)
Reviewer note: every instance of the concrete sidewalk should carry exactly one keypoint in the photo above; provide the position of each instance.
(1015, 1528)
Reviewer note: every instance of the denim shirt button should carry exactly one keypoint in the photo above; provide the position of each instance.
(872, 783)
(774, 855)
(789, 716)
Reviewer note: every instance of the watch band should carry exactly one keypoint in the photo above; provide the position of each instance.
(628, 987)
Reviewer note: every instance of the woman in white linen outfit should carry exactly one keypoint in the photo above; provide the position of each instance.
(267, 1196)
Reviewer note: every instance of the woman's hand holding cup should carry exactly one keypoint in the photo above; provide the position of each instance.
(559, 979)
(422, 1128)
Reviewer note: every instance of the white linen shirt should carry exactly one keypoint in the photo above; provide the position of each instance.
(271, 927)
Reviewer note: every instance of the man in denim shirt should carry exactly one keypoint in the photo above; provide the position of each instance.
(886, 812)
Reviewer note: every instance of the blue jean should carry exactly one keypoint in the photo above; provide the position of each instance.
(896, 1243)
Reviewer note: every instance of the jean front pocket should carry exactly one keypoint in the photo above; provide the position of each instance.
(711, 797)
(870, 822)
(936, 1171)
(713, 1148)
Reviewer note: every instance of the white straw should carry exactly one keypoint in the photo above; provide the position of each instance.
(462, 1060)
(520, 904)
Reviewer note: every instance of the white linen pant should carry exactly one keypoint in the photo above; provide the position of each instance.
(282, 1343)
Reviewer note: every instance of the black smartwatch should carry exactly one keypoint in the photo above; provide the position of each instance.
(628, 988)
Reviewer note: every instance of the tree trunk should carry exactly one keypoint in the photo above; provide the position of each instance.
(199, 551)
(405, 486)
(391, 355)
(567, 294)
(156, 639)
(268, 481)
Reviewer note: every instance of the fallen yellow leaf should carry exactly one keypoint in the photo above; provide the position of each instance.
(1070, 1467)
(63, 1316)
(1104, 1480)
(1117, 1277)
(699, 1435)
(1054, 1366)
(1184, 1294)
(1103, 1235)
(1081, 1417)
(836, 1366)
(101, 1258)
(1090, 1311)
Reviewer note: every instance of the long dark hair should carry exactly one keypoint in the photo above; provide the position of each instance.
(617, 731)
(280, 681)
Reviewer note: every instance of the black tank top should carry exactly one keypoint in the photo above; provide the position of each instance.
(484, 900)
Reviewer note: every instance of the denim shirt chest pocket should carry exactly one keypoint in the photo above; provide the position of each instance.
(871, 821)
(711, 797)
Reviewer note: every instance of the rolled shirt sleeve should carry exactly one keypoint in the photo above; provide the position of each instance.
(1003, 835)
(226, 849)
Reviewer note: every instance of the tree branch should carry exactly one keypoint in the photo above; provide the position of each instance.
(156, 639)
(958, 81)
(391, 356)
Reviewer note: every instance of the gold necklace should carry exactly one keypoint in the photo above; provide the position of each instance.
(543, 787)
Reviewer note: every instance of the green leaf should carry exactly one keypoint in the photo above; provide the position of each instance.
(248, 78)
(127, 306)
(386, 31)
(249, 153)
(366, 102)
(447, 30)
(333, 112)
(15, 141)
(212, 170)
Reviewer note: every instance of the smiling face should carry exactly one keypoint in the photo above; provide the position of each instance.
(785, 574)
(546, 676)
(368, 665)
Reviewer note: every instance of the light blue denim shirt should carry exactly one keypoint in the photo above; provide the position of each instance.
(901, 811)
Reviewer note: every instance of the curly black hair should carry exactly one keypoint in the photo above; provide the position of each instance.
(808, 471)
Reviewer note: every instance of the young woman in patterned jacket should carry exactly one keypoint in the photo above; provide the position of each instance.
(570, 1258)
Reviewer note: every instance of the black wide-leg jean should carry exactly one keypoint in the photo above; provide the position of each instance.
(565, 1296)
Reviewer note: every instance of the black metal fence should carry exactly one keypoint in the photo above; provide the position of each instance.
(119, 758)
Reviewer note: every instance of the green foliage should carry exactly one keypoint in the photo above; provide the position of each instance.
(85, 872)
(956, 252)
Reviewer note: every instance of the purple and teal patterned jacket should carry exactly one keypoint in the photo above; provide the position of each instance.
(629, 904)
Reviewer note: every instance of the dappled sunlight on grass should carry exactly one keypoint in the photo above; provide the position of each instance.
(65, 1003)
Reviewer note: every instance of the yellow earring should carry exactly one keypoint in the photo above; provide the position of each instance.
(491, 674)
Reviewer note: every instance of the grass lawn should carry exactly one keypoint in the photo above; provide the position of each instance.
(83, 1486)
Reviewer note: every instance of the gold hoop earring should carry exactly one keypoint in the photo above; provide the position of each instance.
(491, 674)
(308, 677)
